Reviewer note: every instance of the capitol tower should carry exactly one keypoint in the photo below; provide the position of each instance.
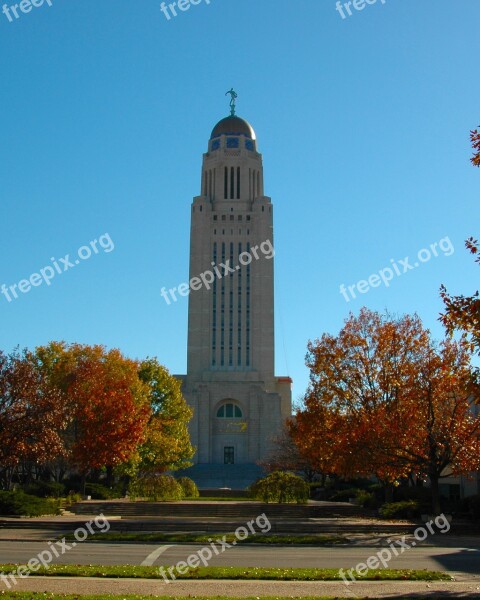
(239, 405)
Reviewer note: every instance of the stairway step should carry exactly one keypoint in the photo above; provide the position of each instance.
(198, 509)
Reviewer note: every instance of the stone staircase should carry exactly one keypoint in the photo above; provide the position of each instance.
(219, 476)
(218, 510)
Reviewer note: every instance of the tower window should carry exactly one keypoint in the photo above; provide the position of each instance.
(215, 217)
(226, 183)
(232, 183)
(238, 183)
(214, 311)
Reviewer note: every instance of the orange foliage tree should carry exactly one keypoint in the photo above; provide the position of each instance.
(463, 312)
(286, 455)
(384, 400)
(475, 138)
(31, 416)
(107, 405)
(111, 411)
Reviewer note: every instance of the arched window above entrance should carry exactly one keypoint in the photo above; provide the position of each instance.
(229, 411)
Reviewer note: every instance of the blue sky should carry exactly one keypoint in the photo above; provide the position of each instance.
(363, 123)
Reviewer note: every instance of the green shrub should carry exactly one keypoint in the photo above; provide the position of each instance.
(159, 488)
(281, 487)
(360, 483)
(45, 489)
(72, 499)
(19, 504)
(189, 487)
(345, 495)
(73, 483)
(100, 492)
(366, 499)
(423, 495)
(400, 510)
(317, 491)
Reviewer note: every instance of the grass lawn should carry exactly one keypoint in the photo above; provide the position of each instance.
(237, 573)
(184, 538)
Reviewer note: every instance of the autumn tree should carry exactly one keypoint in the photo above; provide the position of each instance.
(167, 443)
(31, 417)
(475, 139)
(111, 411)
(107, 404)
(287, 455)
(316, 431)
(463, 312)
(445, 437)
(390, 402)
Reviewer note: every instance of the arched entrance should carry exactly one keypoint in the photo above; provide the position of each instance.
(229, 433)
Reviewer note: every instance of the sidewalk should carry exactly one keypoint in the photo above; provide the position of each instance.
(380, 589)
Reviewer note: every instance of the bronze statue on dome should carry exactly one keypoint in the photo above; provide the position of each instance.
(233, 98)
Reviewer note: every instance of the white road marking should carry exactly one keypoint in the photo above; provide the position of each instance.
(151, 558)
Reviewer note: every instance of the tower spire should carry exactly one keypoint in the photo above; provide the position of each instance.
(233, 99)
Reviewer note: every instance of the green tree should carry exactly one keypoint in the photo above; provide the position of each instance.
(167, 445)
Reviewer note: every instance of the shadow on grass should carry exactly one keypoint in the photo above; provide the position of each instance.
(431, 596)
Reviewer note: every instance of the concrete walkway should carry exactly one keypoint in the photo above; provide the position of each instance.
(255, 589)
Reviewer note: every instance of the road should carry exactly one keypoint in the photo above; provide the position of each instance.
(461, 559)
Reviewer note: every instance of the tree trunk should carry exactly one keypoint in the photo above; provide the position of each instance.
(109, 479)
(388, 493)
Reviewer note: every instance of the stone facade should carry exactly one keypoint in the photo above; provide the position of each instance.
(238, 403)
